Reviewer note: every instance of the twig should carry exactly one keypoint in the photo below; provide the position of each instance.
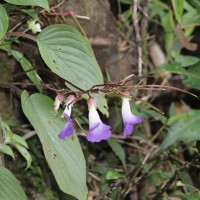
(16, 26)
(58, 5)
(2, 163)
(144, 30)
(174, 178)
(29, 135)
(176, 175)
(20, 34)
(94, 176)
(13, 87)
(138, 138)
(137, 37)
(143, 150)
(144, 11)
(113, 186)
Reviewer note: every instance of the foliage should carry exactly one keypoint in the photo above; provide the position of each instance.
(64, 157)
(3, 22)
(68, 54)
(10, 187)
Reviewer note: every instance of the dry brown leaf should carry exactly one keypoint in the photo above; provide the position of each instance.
(184, 40)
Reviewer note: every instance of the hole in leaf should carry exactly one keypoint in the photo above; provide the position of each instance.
(54, 156)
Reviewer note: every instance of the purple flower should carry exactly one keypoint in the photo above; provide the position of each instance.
(67, 130)
(97, 129)
(128, 118)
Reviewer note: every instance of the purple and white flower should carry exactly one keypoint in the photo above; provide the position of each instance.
(58, 101)
(128, 118)
(68, 129)
(98, 131)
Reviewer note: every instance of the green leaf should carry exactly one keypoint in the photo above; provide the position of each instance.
(188, 31)
(100, 169)
(196, 4)
(42, 3)
(113, 175)
(19, 140)
(158, 176)
(178, 9)
(185, 128)
(9, 186)
(3, 22)
(158, 4)
(173, 68)
(126, 1)
(191, 75)
(180, 195)
(172, 110)
(169, 27)
(186, 61)
(31, 12)
(23, 151)
(174, 119)
(27, 67)
(195, 195)
(5, 46)
(118, 150)
(69, 55)
(6, 130)
(155, 115)
(192, 79)
(190, 17)
(65, 157)
(7, 150)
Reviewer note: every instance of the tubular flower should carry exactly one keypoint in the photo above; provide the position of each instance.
(67, 130)
(128, 118)
(57, 102)
(97, 129)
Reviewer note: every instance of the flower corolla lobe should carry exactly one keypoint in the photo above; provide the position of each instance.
(68, 129)
(98, 131)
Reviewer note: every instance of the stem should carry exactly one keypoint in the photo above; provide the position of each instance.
(173, 88)
(80, 27)
(144, 31)
(145, 102)
(137, 37)
(20, 34)
(2, 163)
